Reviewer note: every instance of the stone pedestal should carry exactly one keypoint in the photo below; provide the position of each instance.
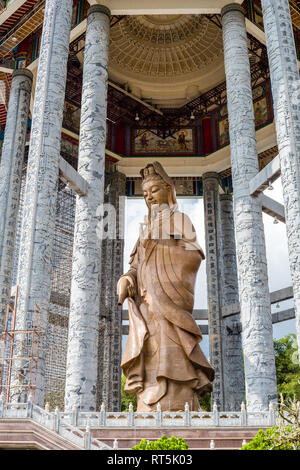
(82, 356)
(35, 260)
(260, 373)
(212, 252)
(10, 178)
(234, 381)
(110, 331)
(286, 97)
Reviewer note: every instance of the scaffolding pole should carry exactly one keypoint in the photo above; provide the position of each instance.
(10, 338)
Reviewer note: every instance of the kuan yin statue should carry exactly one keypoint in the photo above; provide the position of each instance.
(163, 362)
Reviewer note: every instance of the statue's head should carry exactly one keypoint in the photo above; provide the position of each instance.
(158, 188)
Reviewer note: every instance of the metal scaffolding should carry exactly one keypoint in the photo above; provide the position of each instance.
(20, 354)
(58, 319)
(58, 315)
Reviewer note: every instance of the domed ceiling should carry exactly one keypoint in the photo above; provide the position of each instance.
(166, 56)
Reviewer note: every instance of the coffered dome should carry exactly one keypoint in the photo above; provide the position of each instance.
(165, 45)
(180, 51)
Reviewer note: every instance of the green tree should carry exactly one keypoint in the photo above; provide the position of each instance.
(205, 402)
(287, 367)
(174, 443)
(285, 435)
(126, 398)
(264, 440)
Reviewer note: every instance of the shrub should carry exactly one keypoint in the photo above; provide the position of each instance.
(163, 443)
(284, 436)
(126, 398)
(264, 440)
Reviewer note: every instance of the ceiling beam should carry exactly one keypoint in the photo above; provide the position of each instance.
(164, 7)
(272, 207)
(265, 177)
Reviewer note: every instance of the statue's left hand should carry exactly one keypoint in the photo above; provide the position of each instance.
(124, 290)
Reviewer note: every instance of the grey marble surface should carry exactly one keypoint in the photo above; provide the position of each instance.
(257, 337)
(212, 253)
(286, 95)
(36, 241)
(110, 331)
(10, 179)
(82, 357)
(234, 380)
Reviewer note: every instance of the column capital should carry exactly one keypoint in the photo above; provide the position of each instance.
(232, 7)
(211, 174)
(226, 197)
(25, 72)
(99, 9)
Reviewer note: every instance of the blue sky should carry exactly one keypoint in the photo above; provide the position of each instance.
(276, 246)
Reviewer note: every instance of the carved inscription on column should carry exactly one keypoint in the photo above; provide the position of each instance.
(211, 201)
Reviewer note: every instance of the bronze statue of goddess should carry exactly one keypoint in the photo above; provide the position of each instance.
(163, 362)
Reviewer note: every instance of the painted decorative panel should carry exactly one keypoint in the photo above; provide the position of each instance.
(189, 186)
(146, 142)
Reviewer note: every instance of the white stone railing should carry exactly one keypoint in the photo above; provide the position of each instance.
(155, 419)
(68, 424)
(54, 421)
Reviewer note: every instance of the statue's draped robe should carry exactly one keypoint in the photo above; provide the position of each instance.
(163, 361)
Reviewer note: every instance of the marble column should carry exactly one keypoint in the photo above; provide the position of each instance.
(285, 85)
(257, 336)
(82, 356)
(110, 331)
(234, 381)
(36, 240)
(212, 240)
(10, 178)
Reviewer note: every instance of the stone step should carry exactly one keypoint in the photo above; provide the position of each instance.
(27, 434)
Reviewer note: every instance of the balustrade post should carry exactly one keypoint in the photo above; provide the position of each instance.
(130, 416)
(115, 444)
(102, 416)
(272, 415)
(56, 420)
(29, 406)
(187, 416)
(215, 415)
(87, 436)
(74, 415)
(243, 415)
(158, 416)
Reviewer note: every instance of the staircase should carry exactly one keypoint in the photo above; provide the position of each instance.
(27, 426)
(27, 434)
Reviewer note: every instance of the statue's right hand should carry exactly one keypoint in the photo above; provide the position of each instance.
(122, 289)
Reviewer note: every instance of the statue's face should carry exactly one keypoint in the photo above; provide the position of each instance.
(155, 192)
